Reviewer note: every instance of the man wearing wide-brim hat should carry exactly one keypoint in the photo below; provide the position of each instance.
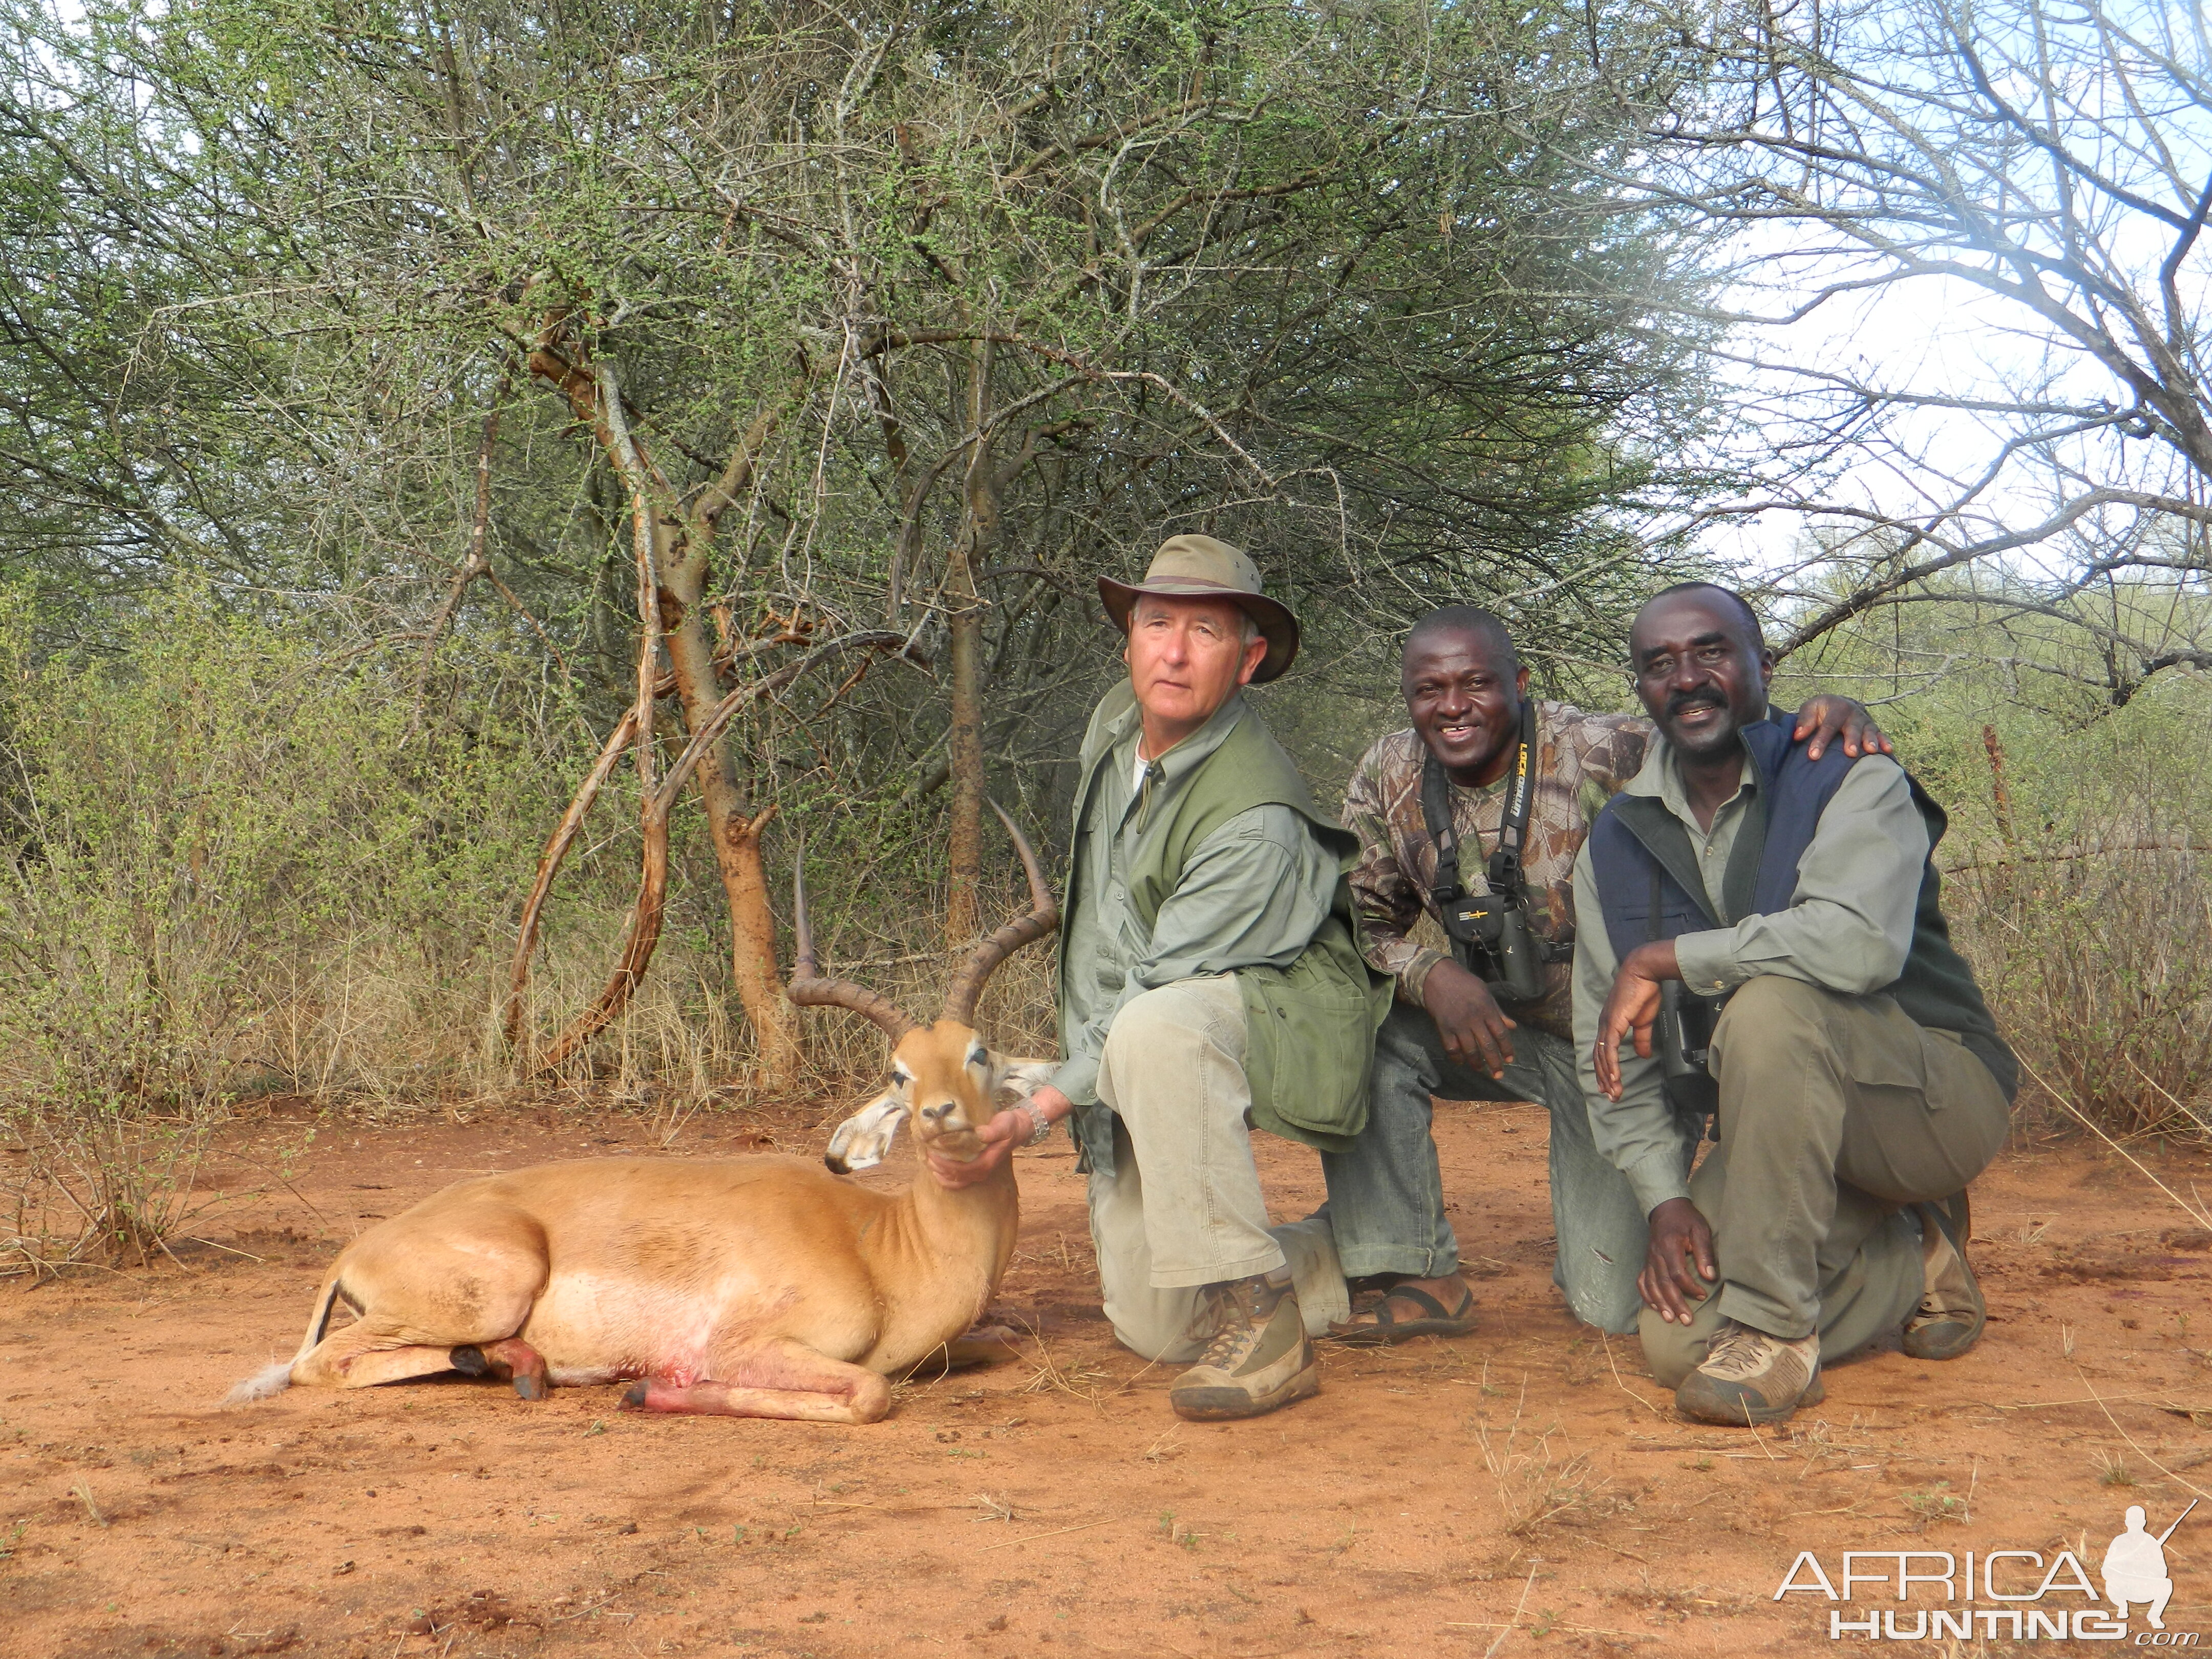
(1210, 982)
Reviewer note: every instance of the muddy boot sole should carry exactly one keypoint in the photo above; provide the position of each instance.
(1225, 1405)
(1704, 1402)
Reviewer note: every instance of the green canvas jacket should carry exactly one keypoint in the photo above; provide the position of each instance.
(1311, 1025)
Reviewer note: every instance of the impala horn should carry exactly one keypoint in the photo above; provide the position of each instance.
(808, 988)
(967, 987)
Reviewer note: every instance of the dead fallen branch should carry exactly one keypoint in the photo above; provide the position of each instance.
(644, 930)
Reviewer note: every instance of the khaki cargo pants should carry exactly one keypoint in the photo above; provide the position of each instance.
(1182, 1208)
(1835, 1111)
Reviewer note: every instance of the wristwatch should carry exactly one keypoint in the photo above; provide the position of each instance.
(1043, 1130)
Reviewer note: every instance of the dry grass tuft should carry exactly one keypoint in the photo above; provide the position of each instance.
(1078, 1382)
(2100, 972)
(1538, 1486)
(82, 1492)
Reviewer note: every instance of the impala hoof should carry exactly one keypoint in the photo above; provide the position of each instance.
(531, 1388)
(633, 1397)
(469, 1361)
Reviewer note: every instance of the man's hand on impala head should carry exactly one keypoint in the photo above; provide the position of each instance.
(1009, 1129)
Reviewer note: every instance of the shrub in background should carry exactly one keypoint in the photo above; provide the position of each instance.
(233, 864)
(228, 856)
(234, 861)
(2100, 968)
(2079, 888)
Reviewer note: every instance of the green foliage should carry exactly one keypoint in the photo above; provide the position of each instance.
(1007, 297)
(210, 826)
(2080, 884)
(237, 862)
(1349, 285)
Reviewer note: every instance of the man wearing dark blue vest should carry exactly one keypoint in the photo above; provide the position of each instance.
(1764, 933)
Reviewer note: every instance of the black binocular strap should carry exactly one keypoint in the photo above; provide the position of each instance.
(1513, 823)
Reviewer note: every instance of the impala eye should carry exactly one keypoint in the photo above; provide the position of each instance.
(976, 1056)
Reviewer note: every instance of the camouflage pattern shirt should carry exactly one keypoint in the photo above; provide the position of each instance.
(1582, 760)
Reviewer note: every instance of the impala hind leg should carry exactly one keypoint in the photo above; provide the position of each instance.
(783, 1381)
(388, 1346)
(362, 1356)
(512, 1361)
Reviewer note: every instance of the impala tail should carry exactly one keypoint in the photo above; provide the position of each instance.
(273, 1379)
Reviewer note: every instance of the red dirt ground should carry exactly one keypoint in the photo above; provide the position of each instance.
(1526, 1488)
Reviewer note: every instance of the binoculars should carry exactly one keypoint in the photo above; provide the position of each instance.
(1492, 930)
(1682, 1038)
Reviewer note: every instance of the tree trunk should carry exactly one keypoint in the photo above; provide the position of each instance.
(964, 854)
(964, 911)
(651, 907)
(680, 547)
(731, 825)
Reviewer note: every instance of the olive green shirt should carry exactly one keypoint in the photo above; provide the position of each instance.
(1252, 893)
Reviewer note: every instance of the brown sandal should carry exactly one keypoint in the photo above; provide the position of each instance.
(1384, 1330)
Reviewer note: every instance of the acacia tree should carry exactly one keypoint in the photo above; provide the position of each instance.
(2041, 167)
(704, 339)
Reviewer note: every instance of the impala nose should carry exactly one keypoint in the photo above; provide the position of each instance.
(938, 1113)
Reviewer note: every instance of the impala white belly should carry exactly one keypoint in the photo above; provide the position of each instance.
(598, 1326)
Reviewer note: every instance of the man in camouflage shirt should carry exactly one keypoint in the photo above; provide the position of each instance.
(1446, 1034)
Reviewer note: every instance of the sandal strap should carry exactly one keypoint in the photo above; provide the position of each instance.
(1374, 1323)
(1430, 1308)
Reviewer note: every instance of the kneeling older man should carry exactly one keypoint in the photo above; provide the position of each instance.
(1210, 979)
(1859, 1081)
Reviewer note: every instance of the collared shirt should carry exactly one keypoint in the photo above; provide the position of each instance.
(1580, 760)
(1715, 845)
(1254, 891)
(1849, 927)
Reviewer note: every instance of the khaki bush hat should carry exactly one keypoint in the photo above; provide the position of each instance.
(1199, 567)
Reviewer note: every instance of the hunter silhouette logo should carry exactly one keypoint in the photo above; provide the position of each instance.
(2135, 1568)
(2034, 1600)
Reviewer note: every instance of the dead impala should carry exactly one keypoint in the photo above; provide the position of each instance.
(760, 1286)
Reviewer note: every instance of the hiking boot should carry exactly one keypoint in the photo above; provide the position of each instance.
(1749, 1376)
(1259, 1359)
(1952, 1312)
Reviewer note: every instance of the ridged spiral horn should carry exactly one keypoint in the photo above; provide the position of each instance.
(809, 988)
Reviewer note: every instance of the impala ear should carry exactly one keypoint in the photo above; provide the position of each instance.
(1020, 1078)
(863, 1139)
